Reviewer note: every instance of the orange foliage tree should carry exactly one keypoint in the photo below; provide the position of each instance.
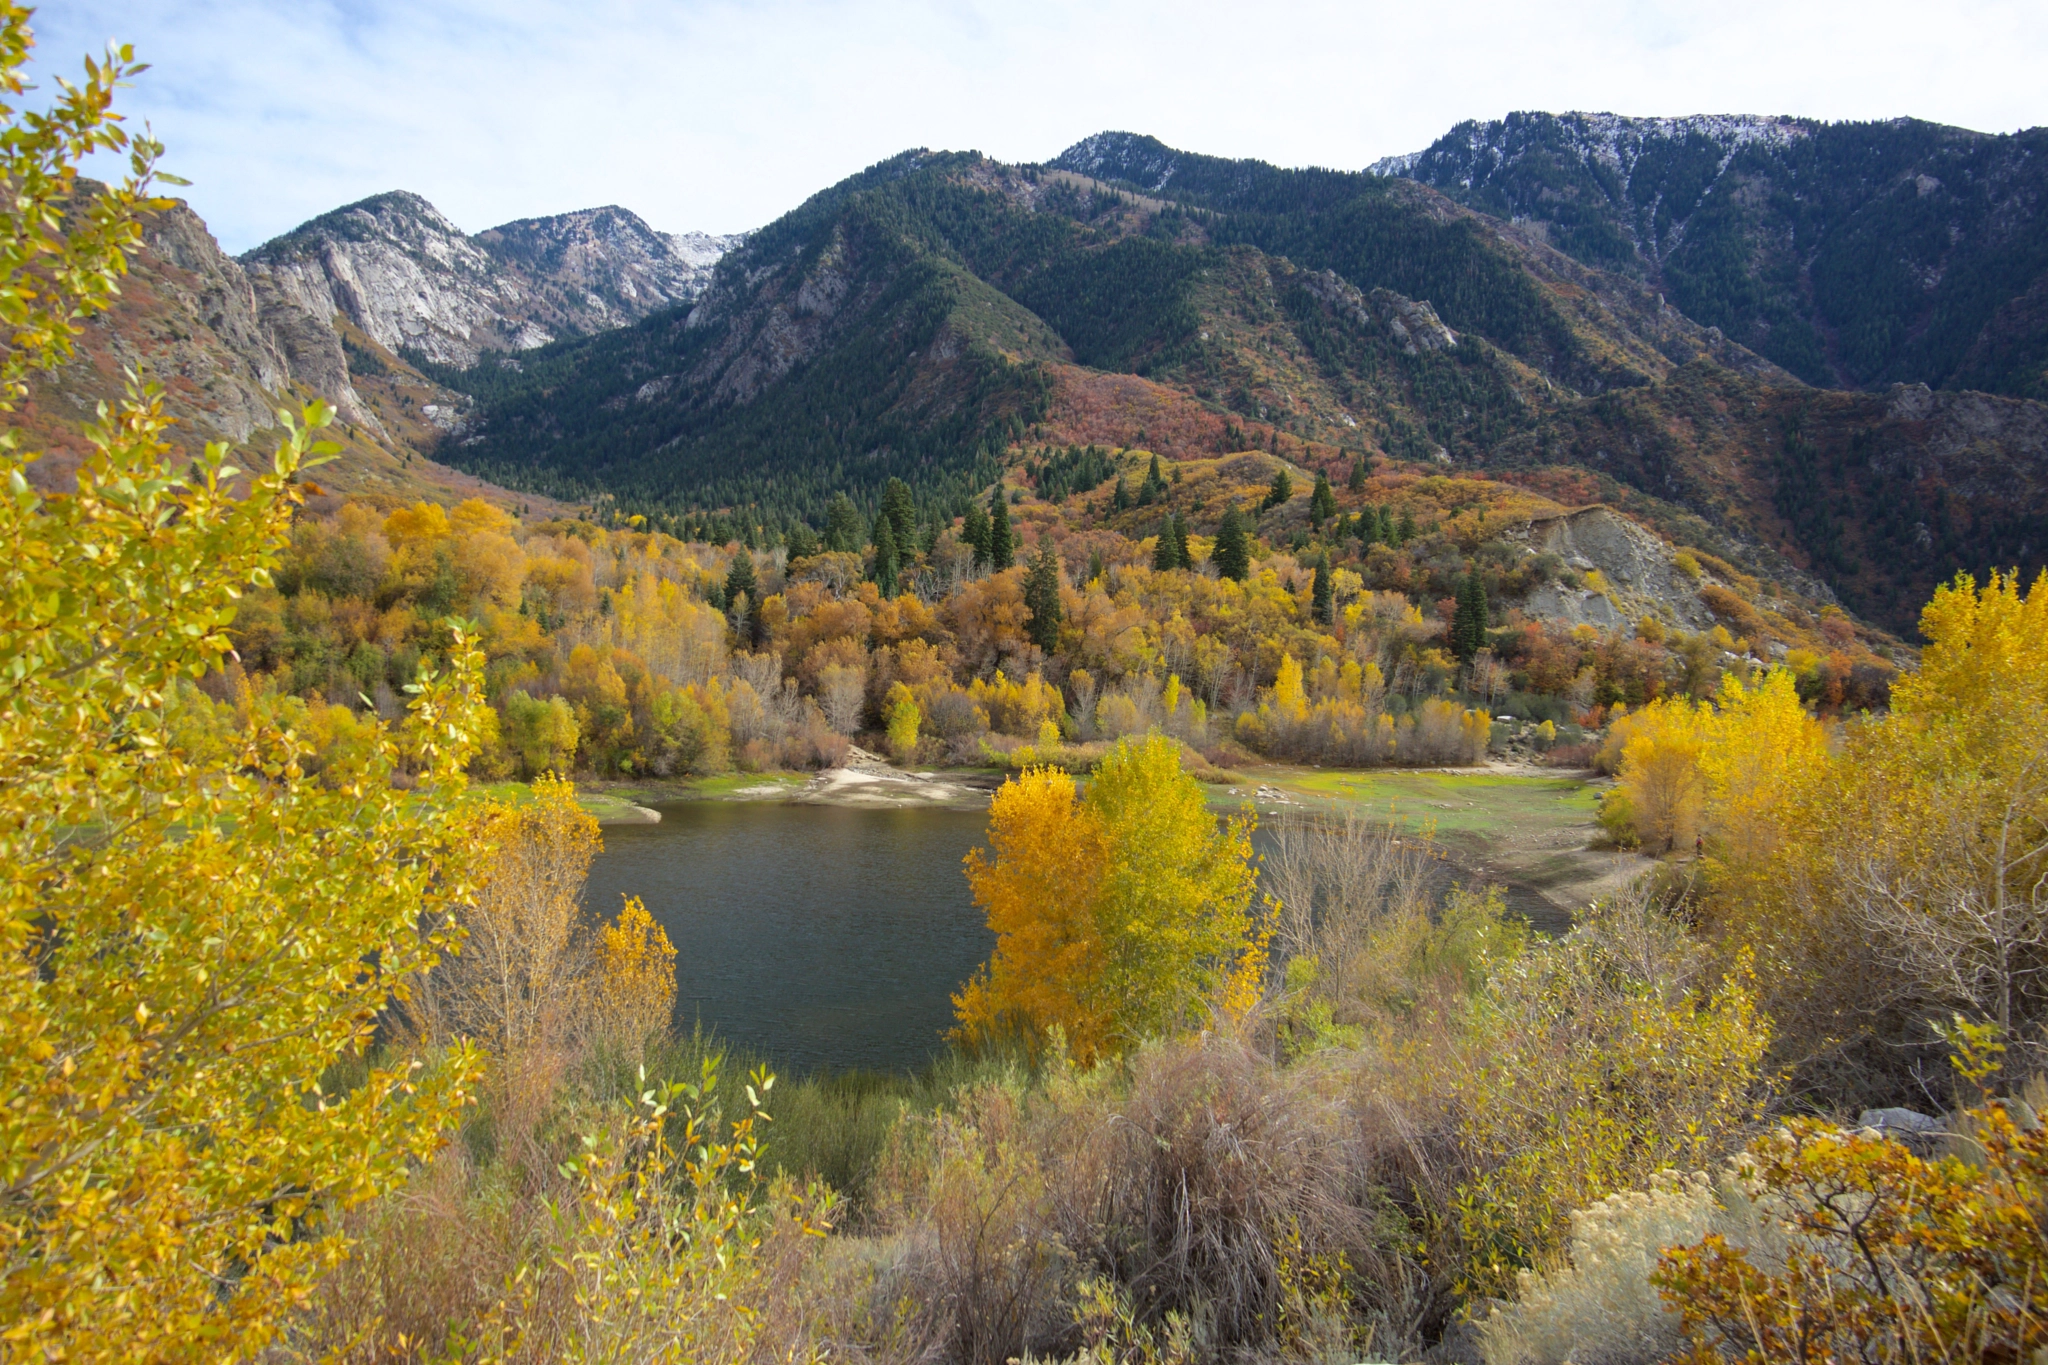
(1118, 915)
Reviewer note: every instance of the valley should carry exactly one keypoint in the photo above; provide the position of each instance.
(1432, 763)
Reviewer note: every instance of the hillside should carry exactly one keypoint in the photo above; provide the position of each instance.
(334, 309)
(936, 315)
(1856, 255)
(909, 320)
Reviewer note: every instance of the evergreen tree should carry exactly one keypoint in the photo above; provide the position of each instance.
(1369, 528)
(1002, 541)
(1232, 553)
(1180, 543)
(1322, 504)
(1406, 532)
(1042, 597)
(1154, 486)
(1096, 568)
(740, 578)
(1358, 472)
(899, 509)
(1280, 492)
(802, 541)
(1120, 501)
(1166, 553)
(1468, 622)
(1321, 604)
(974, 531)
(887, 561)
(842, 525)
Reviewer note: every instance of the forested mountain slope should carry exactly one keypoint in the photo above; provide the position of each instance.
(1854, 254)
(935, 315)
(910, 320)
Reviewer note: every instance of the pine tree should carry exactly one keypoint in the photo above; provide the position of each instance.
(899, 509)
(1120, 501)
(1180, 543)
(1369, 528)
(1322, 504)
(974, 531)
(887, 561)
(1321, 605)
(1096, 568)
(1356, 483)
(740, 578)
(842, 525)
(1042, 597)
(1002, 541)
(802, 541)
(1232, 553)
(1406, 531)
(1154, 486)
(1166, 553)
(1280, 492)
(1468, 622)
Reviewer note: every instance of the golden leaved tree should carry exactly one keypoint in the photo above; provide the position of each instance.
(1900, 876)
(1119, 915)
(188, 940)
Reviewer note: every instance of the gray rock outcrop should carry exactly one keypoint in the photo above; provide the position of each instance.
(413, 281)
(1639, 575)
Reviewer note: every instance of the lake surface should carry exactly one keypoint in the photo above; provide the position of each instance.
(816, 936)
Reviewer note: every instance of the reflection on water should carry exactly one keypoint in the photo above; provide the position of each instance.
(814, 935)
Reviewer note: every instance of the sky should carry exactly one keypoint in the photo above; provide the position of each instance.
(715, 116)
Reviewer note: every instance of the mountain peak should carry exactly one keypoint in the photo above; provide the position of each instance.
(411, 280)
(1134, 158)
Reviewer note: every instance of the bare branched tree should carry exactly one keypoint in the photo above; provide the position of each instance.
(1338, 883)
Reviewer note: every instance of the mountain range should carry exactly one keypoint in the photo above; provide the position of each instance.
(1818, 350)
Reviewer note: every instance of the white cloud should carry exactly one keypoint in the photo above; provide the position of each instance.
(718, 115)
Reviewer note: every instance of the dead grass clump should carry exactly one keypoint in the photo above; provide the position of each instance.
(1200, 1183)
(1236, 1194)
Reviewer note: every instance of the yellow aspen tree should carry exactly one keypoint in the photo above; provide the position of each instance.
(517, 983)
(1174, 912)
(1762, 750)
(1039, 892)
(1660, 772)
(636, 978)
(901, 713)
(189, 938)
(1290, 698)
(1120, 915)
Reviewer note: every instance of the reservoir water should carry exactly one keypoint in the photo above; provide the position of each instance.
(815, 936)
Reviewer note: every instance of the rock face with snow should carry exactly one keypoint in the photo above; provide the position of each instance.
(1854, 255)
(1629, 163)
(412, 281)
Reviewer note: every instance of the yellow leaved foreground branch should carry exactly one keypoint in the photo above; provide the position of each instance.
(186, 943)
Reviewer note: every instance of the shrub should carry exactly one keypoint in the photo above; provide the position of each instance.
(1882, 1254)
(1600, 1307)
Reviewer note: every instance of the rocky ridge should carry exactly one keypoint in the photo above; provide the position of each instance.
(1854, 255)
(330, 312)
(412, 281)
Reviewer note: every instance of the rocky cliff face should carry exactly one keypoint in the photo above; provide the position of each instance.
(1855, 255)
(414, 282)
(225, 350)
